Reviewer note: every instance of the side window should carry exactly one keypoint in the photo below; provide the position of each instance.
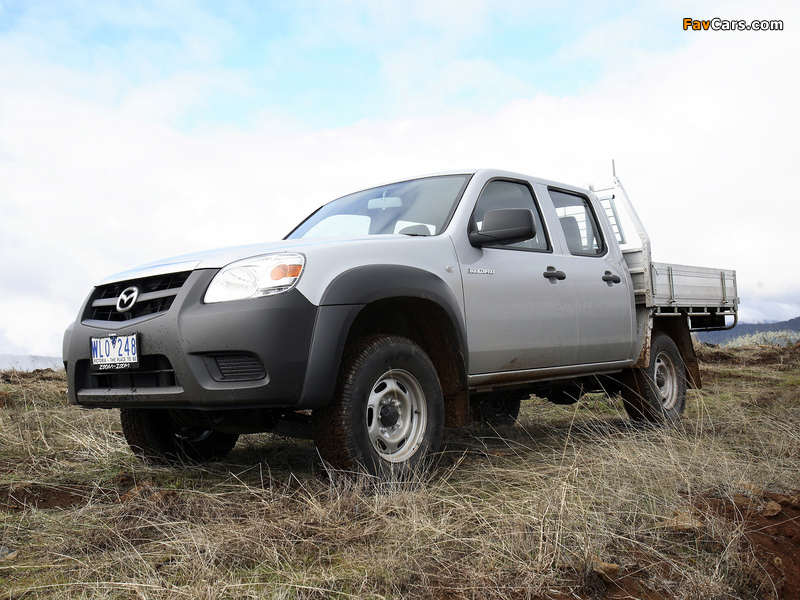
(508, 194)
(578, 223)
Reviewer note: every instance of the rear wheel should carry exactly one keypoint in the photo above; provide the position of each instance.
(155, 434)
(387, 414)
(564, 396)
(499, 408)
(658, 394)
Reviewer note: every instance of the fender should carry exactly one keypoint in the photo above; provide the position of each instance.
(340, 304)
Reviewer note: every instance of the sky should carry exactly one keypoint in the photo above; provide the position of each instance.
(132, 131)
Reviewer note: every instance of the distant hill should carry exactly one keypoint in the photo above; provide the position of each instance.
(23, 362)
(742, 329)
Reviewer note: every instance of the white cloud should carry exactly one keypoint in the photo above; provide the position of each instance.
(97, 176)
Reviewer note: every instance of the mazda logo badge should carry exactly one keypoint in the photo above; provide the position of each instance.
(127, 299)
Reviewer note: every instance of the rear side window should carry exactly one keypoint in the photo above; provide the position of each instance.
(510, 194)
(579, 224)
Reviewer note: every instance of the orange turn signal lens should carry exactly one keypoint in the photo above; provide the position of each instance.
(281, 271)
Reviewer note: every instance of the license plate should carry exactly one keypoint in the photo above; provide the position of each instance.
(116, 352)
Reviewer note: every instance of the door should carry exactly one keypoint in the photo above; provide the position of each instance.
(519, 299)
(603, 300)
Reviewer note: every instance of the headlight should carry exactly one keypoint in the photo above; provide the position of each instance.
(256, 276)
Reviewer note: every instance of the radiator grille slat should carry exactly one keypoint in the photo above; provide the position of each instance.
(102, 306)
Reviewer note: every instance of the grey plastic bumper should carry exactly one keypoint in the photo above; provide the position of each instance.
(276, 329)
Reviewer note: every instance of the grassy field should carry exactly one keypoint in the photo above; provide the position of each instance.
(572, 502)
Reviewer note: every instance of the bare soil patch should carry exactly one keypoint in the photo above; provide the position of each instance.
(771, 540)
(21, 496)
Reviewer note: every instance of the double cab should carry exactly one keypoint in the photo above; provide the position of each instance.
(393, 312)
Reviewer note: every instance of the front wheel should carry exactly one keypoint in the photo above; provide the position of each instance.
(387, 414)
(658, 394)
(154, 434)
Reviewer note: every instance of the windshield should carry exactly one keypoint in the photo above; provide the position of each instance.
(415, 207)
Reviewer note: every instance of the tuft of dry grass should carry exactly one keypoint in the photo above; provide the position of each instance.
(571, 502)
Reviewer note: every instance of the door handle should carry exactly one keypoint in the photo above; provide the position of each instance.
(609, 277)
(551, 274)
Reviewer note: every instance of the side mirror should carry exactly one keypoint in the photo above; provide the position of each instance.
(504, 225)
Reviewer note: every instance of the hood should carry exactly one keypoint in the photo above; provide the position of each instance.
(216, 259)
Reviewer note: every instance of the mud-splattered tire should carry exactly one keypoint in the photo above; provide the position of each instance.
(153, 434)
(387, 414)
(657, 394)
(499, 408)
(564, 396)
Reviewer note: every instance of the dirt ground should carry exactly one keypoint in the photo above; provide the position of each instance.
(771, 524)
(770, 544)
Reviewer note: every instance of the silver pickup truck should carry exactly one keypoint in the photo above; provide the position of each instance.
(393, 312)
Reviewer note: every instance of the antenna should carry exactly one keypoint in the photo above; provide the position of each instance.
(613, 168)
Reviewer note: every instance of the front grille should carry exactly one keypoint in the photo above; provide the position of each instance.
(155, 371)
(156, 295)
(235, 366)
(140, 309)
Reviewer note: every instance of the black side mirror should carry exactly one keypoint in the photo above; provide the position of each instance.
(504, 225)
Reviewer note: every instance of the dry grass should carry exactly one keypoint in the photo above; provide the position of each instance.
(522, 512)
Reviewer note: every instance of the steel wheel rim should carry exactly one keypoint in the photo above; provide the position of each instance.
(666, 380)
(193, 436)
(396, 416)
(495, 407)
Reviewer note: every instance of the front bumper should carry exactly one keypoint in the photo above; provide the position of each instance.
(246, 353)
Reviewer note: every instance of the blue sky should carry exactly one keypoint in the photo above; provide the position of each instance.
(330, 64)
(130, 131)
